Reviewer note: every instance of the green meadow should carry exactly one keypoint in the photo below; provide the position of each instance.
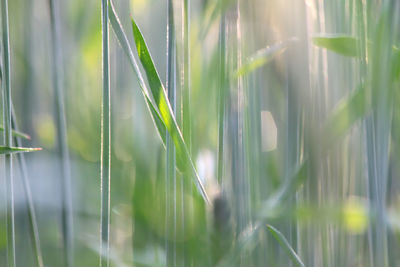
(199, 133)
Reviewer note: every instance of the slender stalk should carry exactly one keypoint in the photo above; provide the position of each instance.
(57, 69)
(170, 154)
(34, 231)
(186, 110)
(105, 174)
(221, 97)
(186, 114)
(8, 136)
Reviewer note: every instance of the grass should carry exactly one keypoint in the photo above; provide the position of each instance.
(105, 169)
(11, 251)
(170, 175)
(62, 146)
(192, 180)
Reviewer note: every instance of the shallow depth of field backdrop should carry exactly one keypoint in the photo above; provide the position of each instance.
(200, 133)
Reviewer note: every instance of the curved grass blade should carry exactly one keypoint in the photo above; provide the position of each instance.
(341, 44)
(271, 206)
(344, 116)
(160, 97)
(123, 41)
(17, 133)
(262, 57)
(285, 245)
(162, 117)
(11, 150)
(247, 241)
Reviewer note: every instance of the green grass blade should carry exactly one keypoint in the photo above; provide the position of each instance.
(164, 107)
(285, 245)
(11, 251)
(347, 112)
(221, 97)
(17, 133)
(62, 145)
(105, 169)
(170, 168)
(11, 150)
(395, 64)
(159, 95)
(262, 57)
(341, 44)
(123, 41)
(246, 242)
(186, 86)
(271, 206)
(34, 231)
(213, 10)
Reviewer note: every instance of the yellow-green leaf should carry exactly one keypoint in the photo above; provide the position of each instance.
(341, 44)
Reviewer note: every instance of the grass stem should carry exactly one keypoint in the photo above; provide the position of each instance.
(105, 174)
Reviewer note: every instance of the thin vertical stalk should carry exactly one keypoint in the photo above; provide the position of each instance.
(186, 114)
(186, 110)
(221, 97)
(171, 155)
(34, 231)
(105, 174)
(57, 71)
(8, 136)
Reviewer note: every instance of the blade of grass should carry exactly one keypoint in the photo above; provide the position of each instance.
(285, 245)
(170, 175)
(213, 10)
(341, 44)
(344, 115)
(271, 206)
(262, 57)
(221, 97)
(159, 95)
(11, 252)
(245, 244)
(17, 133)
(186, 113)
(62, 146)
(10, 150)
(34, 231)
(164, 115)
(105, 173)
(123, 41)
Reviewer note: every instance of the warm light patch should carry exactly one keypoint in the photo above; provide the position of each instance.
(269, 131)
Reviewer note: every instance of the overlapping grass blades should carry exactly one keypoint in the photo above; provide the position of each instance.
(34, 230)
(123, 41)
(8, 149)
(17, 133)
(163, 115)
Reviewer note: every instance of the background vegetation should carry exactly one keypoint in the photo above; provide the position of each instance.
(200, 133)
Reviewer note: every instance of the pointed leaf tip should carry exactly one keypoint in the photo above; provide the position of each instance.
(10, 150)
